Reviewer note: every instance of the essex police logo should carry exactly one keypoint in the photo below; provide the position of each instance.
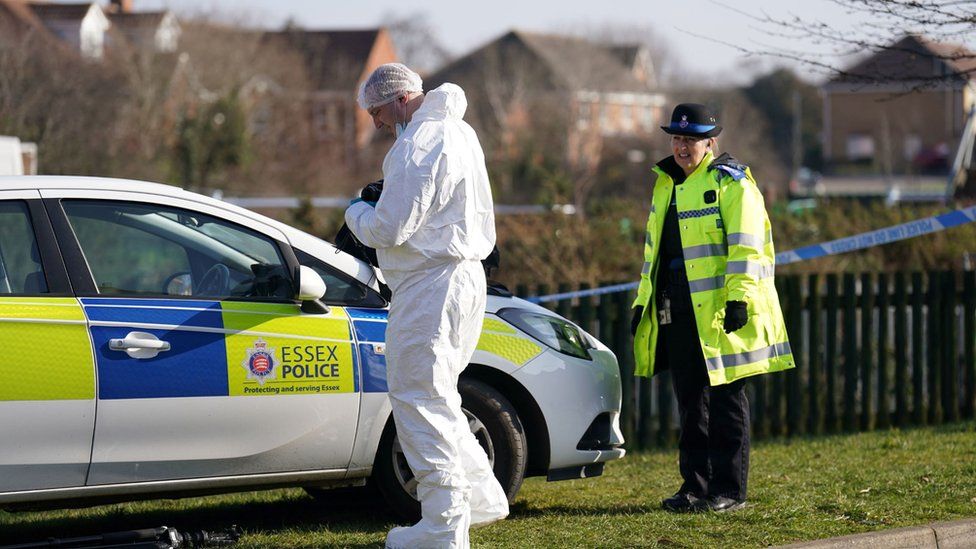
(260, 362)
(684, 121)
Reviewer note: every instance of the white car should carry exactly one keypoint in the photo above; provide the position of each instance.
(155, 342)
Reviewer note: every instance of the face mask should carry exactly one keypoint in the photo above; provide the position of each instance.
(398, 127)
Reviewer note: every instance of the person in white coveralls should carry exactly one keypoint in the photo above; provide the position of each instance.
(431, 227)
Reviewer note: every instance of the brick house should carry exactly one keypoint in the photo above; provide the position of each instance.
(587, 97)
(336, 62)
(901, 111)
(156, 31)
(87, 29)
(80, 26)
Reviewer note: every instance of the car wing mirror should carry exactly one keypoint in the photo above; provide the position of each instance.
(311, 289)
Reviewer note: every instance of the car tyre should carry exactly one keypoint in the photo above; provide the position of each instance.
(497, 427)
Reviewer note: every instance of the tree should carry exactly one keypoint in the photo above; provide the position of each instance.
(416, 41)
(945, 23)
(776, 95)
(210, 140)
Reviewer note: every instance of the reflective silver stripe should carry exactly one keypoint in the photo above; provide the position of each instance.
(748, 357)
(646, 269)
(705, 250)
(769, 236)
(751, 268)
(705, 284)
(745, 239)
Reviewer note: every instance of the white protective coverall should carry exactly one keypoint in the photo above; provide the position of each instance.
(432, 225)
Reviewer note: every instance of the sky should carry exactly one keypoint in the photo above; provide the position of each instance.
(702, 36)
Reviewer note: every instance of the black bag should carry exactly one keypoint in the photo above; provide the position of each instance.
(347, 242)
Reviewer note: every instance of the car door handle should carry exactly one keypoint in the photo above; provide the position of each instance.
(139, 345)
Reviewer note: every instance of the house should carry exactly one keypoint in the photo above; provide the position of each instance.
(84, 27)
(606, 88)
(156, 31)
(336, 62)
(582, 97)
(899, 114)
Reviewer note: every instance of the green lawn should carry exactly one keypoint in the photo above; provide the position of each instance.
(799, 490)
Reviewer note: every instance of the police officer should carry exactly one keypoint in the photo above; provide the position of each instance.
(707, 308)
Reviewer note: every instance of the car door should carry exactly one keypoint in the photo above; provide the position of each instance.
(206, 365)
(47, 374)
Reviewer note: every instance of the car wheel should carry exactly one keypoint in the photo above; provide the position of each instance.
(494, 423)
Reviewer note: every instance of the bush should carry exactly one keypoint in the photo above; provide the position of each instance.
(607, 245)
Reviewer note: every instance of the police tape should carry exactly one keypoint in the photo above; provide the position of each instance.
(869, 239)
(881, 236)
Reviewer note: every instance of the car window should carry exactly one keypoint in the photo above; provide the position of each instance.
(340, 288)
(20, 262)
(139, 249)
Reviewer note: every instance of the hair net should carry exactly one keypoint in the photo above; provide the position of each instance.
(386, 83)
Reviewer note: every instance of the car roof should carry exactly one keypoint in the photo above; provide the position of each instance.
(30, 182)
(78, 182)
(299, 238)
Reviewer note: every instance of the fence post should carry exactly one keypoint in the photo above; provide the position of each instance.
(543, 289)
(850, 352)
(969, 344)
(882, 417)
(604, 313)
(564, 306)
(830, 358)
(645, 418)
(585, 316)
(867, 348)
(935, 348)
(794, 376)
(950, 358)
(814, 418)
(625, 357)
(901, 350)
(919, 412)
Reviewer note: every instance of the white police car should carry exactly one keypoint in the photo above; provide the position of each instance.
(153, 343)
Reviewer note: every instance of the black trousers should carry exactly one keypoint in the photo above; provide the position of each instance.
(714, 442)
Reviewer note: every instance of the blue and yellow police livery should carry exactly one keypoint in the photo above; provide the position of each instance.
(155, 341)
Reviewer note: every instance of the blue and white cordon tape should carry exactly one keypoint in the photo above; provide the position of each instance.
(869, 239)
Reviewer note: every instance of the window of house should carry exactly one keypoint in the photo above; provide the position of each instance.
(585, 113)
(627, 118)
(647, 117)
(912, 146)
(860, 146)
(320, 120)
(605, 118)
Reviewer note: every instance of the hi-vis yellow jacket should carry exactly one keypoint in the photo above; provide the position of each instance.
(728, 253)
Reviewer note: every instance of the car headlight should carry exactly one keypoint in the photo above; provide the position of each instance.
(556, 333)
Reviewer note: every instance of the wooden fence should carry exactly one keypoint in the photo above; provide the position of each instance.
(872, 351)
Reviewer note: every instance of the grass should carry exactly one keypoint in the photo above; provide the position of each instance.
(800, 489)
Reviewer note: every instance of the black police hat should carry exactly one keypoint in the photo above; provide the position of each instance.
(694, 120)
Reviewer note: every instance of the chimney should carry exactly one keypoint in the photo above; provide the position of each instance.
(120, 6)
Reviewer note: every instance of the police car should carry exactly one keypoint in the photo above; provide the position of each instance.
(159, 343)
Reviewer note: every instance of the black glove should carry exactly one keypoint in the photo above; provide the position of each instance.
(736, 315)
(634, 322)
(371, 192)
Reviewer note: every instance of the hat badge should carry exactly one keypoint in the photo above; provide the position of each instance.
(684, 121)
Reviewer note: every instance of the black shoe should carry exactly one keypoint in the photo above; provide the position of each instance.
(682, 502)
(720, 504)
